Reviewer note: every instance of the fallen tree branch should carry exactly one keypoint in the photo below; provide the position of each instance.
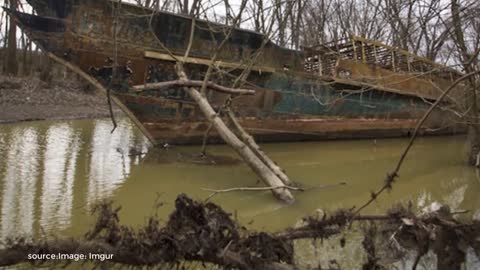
(193, 83)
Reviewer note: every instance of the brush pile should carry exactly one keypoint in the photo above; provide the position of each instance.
(205, 233)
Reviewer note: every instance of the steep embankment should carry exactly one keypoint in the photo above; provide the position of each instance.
(24, 99)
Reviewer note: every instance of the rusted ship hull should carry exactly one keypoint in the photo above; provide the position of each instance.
(289, 105)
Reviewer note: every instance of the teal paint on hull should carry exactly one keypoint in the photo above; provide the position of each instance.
(312, 97)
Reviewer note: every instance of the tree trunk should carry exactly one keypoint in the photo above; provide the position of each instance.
(46, 68)
(5, 45)
(12, 65)
(26, 45)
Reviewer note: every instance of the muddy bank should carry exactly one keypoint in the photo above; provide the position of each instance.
(26, 99)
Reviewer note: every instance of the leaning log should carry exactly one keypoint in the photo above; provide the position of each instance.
(255, 163)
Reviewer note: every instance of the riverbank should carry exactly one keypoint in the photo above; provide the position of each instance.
(28, 99)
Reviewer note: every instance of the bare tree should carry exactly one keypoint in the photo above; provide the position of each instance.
(465, 33)
(11, 61)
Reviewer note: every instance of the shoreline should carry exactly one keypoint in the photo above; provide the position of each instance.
(62, 118)
(25, 99)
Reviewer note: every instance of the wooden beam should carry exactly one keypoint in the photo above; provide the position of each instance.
(207, 62)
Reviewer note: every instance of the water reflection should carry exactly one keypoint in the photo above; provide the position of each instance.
(110, 159)
(19, 182)
(456, 197)
(46, 166)
(61, 150)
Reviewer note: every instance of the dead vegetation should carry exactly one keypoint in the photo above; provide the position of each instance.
(203, 232)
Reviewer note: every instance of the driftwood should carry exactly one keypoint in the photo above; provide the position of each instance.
(256, 164)
(193, 83)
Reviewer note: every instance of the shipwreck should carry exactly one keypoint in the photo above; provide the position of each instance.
(353, 88)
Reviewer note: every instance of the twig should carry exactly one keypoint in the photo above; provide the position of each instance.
(192, 33)
(115, 63)
(217, 191)
(226, 248)
(112, 116)
(205, 139)
(252, 189)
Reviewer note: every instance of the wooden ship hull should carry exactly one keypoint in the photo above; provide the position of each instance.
(351, 89)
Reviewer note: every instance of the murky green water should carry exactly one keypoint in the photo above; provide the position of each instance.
(51, 173)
